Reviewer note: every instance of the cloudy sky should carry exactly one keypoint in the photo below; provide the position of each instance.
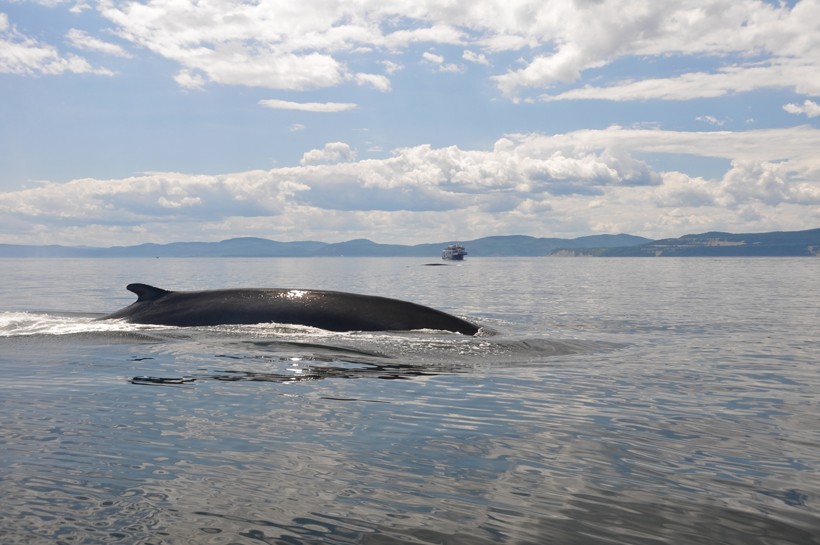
(405, 121)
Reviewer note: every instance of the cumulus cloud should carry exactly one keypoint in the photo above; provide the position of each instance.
(188, 79)
(377, 81)
(321, 107)
(432, 57)
(236, 44)
(767, 183)
(478, 58)
(756, 37)
(438, 60)
(391, 67)
(750, 44)
(24, 55)
(574, 183)
(333, 152)
(808, 108)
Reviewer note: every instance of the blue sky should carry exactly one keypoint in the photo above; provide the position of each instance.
(405, 121)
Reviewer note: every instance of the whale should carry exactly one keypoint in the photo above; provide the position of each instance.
(328, 310)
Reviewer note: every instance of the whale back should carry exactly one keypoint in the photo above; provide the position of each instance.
(330, 310)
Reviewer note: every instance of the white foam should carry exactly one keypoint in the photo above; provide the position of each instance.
(14, 324)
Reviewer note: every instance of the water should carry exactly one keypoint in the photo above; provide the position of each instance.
(634, 401)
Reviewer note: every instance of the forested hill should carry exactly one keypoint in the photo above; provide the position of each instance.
(260, 247)
(795, 243)
(714, 244)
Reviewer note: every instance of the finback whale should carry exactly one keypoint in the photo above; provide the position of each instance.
(329, 310)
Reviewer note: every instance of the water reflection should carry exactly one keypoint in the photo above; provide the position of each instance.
(297, 374)
(398, 357)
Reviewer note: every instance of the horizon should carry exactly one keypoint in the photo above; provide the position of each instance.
(128, 123)
(449, 241)
(426, 243)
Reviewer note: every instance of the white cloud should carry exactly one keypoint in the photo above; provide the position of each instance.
(23, 55)
(731, 79)
(392, 67)
(573, 184)
(808, 108)
(82, 40)
(711, 120)
(439, 33)
(324, 107)
(432, 57)
(477, 58)
(258, 45)
(377, 81)
(439, 60)
(188, 79)
(334, 152)
(79, 7)
(749, 44)
(594, 34)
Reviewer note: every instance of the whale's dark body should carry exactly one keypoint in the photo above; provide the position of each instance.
(331, 310)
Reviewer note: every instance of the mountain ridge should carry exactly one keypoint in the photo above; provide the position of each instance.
(713, 243)
(511, 245)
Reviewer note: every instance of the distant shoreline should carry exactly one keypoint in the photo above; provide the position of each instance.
(713, 244)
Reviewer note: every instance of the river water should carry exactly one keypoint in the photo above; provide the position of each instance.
(609, 401)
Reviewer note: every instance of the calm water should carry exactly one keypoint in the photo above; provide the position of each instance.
(635, 401)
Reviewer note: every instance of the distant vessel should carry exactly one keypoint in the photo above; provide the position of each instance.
(454, 252)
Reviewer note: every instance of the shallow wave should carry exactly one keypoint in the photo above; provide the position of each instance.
(17, 324)
(419, 343)
(282, 352)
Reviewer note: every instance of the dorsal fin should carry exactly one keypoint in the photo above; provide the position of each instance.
(146, 293)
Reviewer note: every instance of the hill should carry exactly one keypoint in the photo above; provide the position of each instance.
(517, 245)
(793, 243)
(715, 244)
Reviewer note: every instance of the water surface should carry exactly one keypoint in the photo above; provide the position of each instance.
(620, 401)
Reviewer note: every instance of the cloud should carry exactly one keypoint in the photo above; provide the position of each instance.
(767, 46)
(79, 7)
(711, 120)
(333, 152)
(439, 60)
(253, 45)
(188, 79)
(560, 46)
(323, 107)
(441, 32)
(767, 183)
(23, 55)
(732, 79)
(82, 40)
(574, 183)
(377, 81)
(432, 57)
(477, 58)
(808, 108)
(392, 67)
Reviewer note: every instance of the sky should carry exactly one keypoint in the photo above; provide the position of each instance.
(405, 121)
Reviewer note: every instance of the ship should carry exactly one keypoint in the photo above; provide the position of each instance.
(454, 252)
